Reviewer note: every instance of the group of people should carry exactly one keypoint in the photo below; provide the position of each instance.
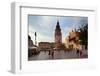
(78, 52)
(51, 53)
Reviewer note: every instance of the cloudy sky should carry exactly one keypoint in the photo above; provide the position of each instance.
(44, 26)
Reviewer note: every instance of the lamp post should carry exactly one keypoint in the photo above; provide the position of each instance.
(35, 39)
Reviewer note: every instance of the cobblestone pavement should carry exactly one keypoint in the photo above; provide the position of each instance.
(44, 55)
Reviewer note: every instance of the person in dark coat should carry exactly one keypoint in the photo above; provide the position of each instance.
(52, 54)
(77, 51)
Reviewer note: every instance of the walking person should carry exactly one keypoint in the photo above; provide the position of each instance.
(52, 54)
(78, 52)
(49, 52)
(81, 53)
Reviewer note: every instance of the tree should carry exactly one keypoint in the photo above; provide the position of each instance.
(52, 45)
(63, 46)
(83, 36)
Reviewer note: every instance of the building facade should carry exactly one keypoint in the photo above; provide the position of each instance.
(72, 40)
(30, 42)
(44, 45)
(58, 36)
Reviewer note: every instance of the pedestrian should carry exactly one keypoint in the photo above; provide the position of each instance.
(80, 53)
(49, 52)
(77, 51)
(52, 54)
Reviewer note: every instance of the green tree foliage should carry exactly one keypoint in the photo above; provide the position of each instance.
(63, 46)
(52, 45)
(83, 37)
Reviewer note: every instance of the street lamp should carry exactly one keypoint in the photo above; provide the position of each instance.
(35, 39)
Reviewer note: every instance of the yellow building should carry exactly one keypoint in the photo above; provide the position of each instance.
(72, 40)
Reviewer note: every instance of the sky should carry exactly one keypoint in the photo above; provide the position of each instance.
(45, 26)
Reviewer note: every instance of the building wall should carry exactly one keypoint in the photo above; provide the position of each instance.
(44, 45)
(72, 41)
(58, 36)
(30, 42)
